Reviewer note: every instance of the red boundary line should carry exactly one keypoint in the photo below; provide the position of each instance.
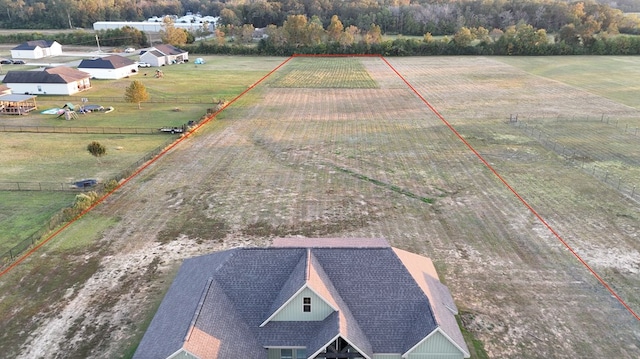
(140, 169)
(456, 133)
(602, 281)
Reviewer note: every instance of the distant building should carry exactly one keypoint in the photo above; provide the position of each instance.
(155, 24)
(50, 81)
(36, 49)
(161, 55)
(305, 299)
(109, 67)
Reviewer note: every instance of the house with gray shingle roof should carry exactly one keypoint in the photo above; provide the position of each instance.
(306, 298)
(164, 54)
(109, 67)
(59, 80)
(36, 49)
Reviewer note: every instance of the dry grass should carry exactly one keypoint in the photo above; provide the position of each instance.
(311, 161)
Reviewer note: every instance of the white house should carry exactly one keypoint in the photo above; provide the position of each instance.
(161, 55)
(51, 81)
(307, 298)
(109, 67)
(36, 49)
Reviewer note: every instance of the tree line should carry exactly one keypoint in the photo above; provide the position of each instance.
(407, 17)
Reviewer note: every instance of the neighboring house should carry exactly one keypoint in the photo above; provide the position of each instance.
(306, 298)
(161, 55)
(110, 67)
(50, 81)
(36, 49)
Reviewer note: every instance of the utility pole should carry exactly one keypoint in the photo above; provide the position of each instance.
(98, 42)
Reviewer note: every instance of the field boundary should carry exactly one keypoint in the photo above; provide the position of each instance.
(428, 104)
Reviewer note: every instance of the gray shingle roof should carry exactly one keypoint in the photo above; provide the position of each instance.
(107, 62)
(30, 45)
(169, 49)
(60, 74)
(227, 295)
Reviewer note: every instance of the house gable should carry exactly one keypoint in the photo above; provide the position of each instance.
(294, 309)
(436, 345)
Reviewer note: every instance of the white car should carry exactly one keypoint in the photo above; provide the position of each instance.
(144, 64)
(129, 50)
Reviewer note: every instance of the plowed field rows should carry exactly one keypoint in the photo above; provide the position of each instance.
(329, 160)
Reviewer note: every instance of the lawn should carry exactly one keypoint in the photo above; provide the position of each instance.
(613, 77)
(24, 213)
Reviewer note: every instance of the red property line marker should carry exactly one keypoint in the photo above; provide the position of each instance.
(142, 168)
(602, 281)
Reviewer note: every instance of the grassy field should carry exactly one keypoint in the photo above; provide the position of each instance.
(332, 161)
(612, 77)
(60, 159)
(311, 73)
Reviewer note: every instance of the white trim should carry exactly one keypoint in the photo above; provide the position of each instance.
(346, 340)
(438, 329)
(182, 350)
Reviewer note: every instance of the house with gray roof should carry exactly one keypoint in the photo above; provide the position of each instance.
(164, 54)
(306, 298)
(59, 80)
(111, 67)
(36, 49)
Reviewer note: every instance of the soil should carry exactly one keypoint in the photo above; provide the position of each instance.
(361, 163)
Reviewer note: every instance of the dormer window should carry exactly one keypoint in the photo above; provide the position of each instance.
(306, 304)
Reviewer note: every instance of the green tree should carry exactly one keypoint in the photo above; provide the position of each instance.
(463, 37)
(136, 93)
(96, 149)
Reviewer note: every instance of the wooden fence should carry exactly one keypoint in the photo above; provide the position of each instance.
(91, 130)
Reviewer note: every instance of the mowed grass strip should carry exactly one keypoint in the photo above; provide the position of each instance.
(613, 77)
(64, 158)
(320, 72)
(24, 213)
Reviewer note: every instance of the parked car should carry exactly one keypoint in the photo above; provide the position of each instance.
(129, 50)
(18, 62)
(144, 64)
(6, 62)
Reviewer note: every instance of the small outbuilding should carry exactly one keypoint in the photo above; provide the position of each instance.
(111, 67)
(17, 104)
(36, 49)
(161, 55)
(50, 81)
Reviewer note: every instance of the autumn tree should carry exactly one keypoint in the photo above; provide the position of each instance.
(136, 93)
(335, 28)
(172, 35)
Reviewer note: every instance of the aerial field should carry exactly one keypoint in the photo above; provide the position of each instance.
(363, 156)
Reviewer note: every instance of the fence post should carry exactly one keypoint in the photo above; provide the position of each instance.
(633, 191)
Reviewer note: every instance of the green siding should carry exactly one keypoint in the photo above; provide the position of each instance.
(293, 310)
(274, 353)
(182, 354)
(387, 356)
(436, 347)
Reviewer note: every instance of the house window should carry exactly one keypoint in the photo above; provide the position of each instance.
(306, 304)
(301, 354)
(39, 88)
(286, 353)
